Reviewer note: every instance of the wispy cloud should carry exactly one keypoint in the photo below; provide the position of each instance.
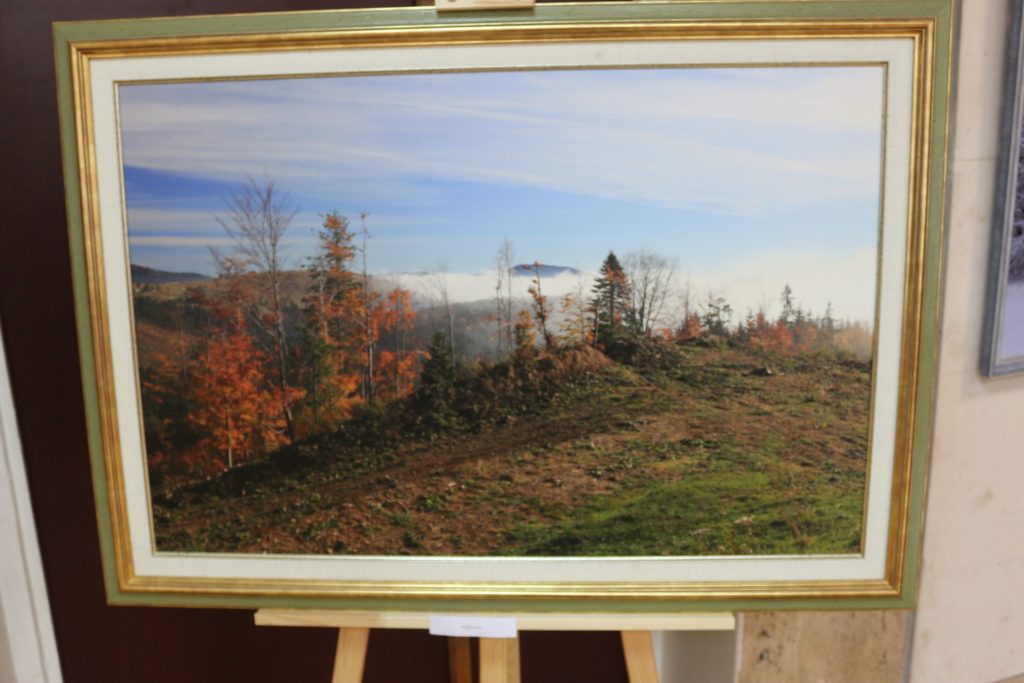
(173, 220)
(722, 140)
(179, 241)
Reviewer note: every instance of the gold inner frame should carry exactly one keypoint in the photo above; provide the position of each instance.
(921, 32)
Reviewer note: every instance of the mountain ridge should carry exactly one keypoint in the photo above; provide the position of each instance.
(542, 269)
(144, 275)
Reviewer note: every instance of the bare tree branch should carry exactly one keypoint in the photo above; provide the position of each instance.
(651, 276)
(256, 220)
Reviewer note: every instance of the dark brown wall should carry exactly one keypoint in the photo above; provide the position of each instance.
(97, 643)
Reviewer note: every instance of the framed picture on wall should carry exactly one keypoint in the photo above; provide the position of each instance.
(603, 306)
(1003, 336)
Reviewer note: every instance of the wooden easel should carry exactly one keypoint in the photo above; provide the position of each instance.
(499, 657)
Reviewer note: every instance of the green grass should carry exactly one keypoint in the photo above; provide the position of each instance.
(723, 513)
(700, 457)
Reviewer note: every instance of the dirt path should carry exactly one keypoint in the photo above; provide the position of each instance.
(456, 494)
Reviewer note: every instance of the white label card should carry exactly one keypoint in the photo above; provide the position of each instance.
(472, 627)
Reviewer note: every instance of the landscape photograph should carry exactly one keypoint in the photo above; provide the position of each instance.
(535, 313)
(1011, 341)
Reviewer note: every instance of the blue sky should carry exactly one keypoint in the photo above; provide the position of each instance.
(719, 168)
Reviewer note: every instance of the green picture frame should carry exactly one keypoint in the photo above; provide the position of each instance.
(907, 42)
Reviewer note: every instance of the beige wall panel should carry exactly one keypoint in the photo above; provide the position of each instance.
(823, 647)
(969, 626)
(970, 619)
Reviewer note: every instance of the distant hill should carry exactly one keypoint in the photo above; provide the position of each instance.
(141, 275)
(528, 270)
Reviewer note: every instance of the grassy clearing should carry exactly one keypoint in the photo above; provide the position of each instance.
(726, 513)
(703, 454)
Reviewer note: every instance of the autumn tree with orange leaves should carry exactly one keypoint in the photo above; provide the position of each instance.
(691, 327)
(524, 338)
(330, 370)
(236, 409)
(541, 307)
(397, 365)
(575, 327)
(232, 409)
(258, 215)
(357, 340)
(165, 401)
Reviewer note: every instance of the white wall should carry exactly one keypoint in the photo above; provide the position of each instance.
(28, 651)
(696, 656)
(969, 625)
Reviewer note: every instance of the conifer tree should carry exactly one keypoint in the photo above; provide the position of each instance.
(438, 374)
(717, 315)
(435, 393)
(329, 351)
(610, 302)
(788, 309)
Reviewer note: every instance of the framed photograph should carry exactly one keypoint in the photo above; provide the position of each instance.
(1003, 337)
(590, 307)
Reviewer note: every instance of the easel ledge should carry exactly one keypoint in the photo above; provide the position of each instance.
(499, 657)
(526, 621)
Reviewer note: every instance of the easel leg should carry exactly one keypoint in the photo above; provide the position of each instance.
(351, 655)
(639, 651)
(460, 662)
(499, 660)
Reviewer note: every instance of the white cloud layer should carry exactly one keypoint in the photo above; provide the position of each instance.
(818, 279)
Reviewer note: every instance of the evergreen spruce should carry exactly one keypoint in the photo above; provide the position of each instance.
(435, 394)
(610, 302)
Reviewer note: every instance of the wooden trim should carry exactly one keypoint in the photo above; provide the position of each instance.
(693, 621)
